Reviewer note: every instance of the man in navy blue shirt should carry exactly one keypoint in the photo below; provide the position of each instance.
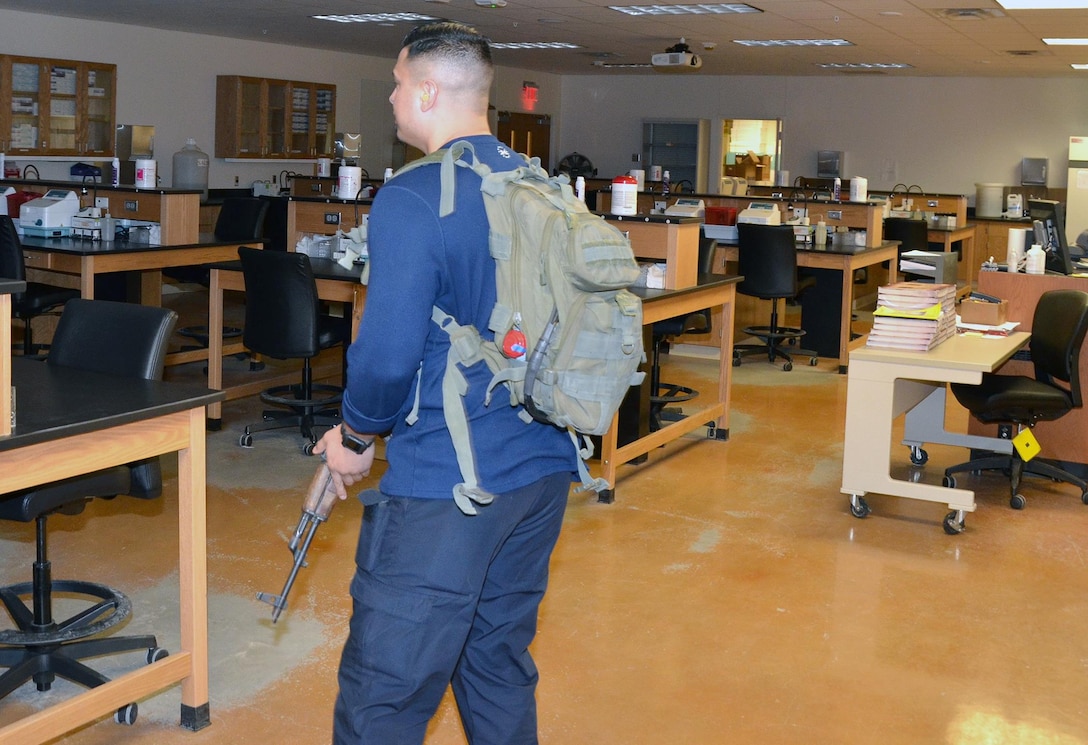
(440, 597)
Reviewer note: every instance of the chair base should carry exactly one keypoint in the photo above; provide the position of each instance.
(41, 653)
(771, 346)
(306, 414)
(667, 394)
(1016, 469)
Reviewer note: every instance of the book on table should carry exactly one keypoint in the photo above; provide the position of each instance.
(913, 315)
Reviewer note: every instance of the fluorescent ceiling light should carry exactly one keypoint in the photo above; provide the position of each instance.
(621, 64)
(793, 42)
(1066, 42)
(534, 45)
(865, 65)
(1079, 67)
(1042, 4)
(696, 9)
(376, 18)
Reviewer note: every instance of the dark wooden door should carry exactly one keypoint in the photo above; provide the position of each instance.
(530, 134)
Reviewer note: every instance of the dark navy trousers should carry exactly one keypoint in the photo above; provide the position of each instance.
(443, 598)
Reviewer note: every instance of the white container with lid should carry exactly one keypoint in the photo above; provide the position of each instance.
(1036, 260)
(988, 200)
(624, 195)
(146, 174)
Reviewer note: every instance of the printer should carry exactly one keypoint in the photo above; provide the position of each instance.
(49, 216)
(761, 213)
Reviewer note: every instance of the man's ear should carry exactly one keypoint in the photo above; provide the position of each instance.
(428, 94)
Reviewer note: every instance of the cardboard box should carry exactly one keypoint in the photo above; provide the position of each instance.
(986, 314)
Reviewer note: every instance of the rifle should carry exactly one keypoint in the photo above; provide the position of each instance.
(315, 510)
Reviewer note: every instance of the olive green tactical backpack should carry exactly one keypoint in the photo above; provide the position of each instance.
(572, 331)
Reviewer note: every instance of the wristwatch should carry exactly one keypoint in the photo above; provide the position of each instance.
(351, 441)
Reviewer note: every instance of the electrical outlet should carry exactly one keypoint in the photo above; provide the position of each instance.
(103, 202)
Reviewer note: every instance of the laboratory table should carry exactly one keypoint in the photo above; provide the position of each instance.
(85, 259)
(73, 422)
(883, 384)
(710, 291)
(334, 283)
(833, 265)
(7, 288)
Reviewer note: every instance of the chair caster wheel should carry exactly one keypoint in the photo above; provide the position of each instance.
(949, 482)
(859, 508)
(155, 654)
(246, 440)
(1017, 502)
(308, 448)
(126, 714)
(787, 366)
(918, 455)
(813, 361)
(954, 523)
(1084, 496)
(736, 362)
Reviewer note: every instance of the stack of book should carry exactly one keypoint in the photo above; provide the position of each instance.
(913, 315)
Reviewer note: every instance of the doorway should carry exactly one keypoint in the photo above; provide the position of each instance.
(530, 134)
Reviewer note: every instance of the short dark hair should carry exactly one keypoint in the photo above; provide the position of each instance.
(454, 41)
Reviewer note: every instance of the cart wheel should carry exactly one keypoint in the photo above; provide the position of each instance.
(918, 455)
(126, 714)
(155, 654)
(859, 507)
(1017, 502)
(949, 481)
(953, 523)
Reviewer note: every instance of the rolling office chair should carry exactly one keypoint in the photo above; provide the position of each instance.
(283, 321)
(240, 219)
(1057, 334)
(767, 259)
(664, 394)
(38, 298)
(128, 341)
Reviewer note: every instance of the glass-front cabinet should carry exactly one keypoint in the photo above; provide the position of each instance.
(276, 119)
(56, 107)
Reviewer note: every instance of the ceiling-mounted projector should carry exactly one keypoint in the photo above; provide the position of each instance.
(677, 58)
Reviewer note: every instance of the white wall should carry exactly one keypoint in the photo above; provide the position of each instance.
(944, 134)
(167, 79)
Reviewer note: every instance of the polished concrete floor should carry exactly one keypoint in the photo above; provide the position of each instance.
(727, 596)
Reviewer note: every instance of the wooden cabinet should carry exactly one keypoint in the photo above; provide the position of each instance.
(57, 107)
(268, 118)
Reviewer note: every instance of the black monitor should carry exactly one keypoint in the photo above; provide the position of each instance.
(1048, 220)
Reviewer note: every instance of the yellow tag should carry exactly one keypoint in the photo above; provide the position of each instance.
(1026, 444)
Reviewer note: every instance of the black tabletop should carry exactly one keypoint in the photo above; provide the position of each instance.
(9, 286)
(648, 295)
(322, 269)
(82, 247)
(54, 402)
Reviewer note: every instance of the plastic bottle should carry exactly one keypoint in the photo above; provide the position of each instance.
(1036, 260)
(580, 188)
(191, 168)
(115, 172)
(836, 189)
(388, 174)
(665, 184)
(821, 233)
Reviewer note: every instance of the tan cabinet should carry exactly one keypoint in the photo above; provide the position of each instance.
(57, 107)
(268, 118)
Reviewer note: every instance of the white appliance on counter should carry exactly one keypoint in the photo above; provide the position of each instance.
(760, 213)
(49, 216)
(1076, 199)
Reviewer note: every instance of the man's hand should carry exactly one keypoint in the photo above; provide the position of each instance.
(346, 467)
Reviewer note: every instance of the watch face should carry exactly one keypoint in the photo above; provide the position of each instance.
(353, 443)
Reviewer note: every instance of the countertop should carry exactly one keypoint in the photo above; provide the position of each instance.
(91, 184)
(662, 219)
